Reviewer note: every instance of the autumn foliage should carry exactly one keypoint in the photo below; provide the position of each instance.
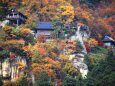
(53, 56)
(25, 30)
(92, 42)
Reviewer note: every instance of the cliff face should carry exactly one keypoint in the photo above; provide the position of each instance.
(81, 35)
(11, 69)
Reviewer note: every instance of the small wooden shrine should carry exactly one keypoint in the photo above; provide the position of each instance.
(16, 18)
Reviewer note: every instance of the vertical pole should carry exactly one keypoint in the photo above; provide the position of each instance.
(17, 22)
(33, 79)
(13, 15)
(0, 69)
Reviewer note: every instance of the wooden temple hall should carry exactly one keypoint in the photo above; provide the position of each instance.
(16, 18)
(45, 29)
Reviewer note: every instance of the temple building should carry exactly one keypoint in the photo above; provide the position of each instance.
(16, 18)
(108, 41)
(45, 29)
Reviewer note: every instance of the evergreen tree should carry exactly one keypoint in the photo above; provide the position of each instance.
(69, 81)
(23, 82)
(103, 74)
(43, 80)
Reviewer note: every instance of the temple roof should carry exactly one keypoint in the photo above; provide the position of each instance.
(44, 26)
(108, 39)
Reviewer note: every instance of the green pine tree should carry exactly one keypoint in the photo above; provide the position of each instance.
(43, 80)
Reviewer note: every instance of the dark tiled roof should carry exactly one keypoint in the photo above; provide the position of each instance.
(44, 26)
(16, 12)
(107, 39)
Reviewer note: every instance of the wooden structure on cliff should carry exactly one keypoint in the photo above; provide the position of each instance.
(16, 18)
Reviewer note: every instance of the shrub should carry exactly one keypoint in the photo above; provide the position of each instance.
(1, 82)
